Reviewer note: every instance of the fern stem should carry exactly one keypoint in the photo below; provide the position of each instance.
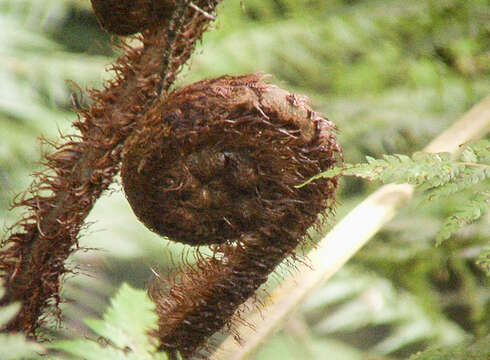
(343, 241)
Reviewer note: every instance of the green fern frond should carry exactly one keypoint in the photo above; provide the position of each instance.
(425, 170)
(123, 331)
(468, 212)
(354, 293)
(478, 153)
(437, 175)
(478, 350)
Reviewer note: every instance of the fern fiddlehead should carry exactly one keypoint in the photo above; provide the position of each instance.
(217, 163)
(218, 160)
(128, 17)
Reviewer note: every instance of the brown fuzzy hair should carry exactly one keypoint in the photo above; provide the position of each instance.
(217, 162)
(126, 17)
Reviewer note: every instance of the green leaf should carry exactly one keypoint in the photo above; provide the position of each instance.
(363, 299)
(16, 347)
(479, 350)
(123, 330)
(467, 213)
(90, 350)
(437, 175)
(480, 150)
(326, 174)
(128, 319)
(484, 260)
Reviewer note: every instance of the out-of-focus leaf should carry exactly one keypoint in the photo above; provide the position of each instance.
(16, 347)
(478, 350)
(123, 330)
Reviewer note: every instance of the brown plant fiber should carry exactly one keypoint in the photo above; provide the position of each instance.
(126, 17)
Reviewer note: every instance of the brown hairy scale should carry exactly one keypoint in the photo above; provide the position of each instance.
(217, 162)
(126, 17)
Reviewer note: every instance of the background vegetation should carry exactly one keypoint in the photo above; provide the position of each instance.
(391, 74)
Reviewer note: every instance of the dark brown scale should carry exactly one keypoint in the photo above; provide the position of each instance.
(126, 17)
(242, 172)
(207, 163)
(248, 209)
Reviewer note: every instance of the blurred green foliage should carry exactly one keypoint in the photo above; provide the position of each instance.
(391, 74)
(478, 350)
(122, 331)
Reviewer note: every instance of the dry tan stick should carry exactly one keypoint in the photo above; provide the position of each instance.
(473, 125)
(343, 241)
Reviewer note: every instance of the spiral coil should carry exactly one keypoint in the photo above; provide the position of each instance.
(220, 160)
